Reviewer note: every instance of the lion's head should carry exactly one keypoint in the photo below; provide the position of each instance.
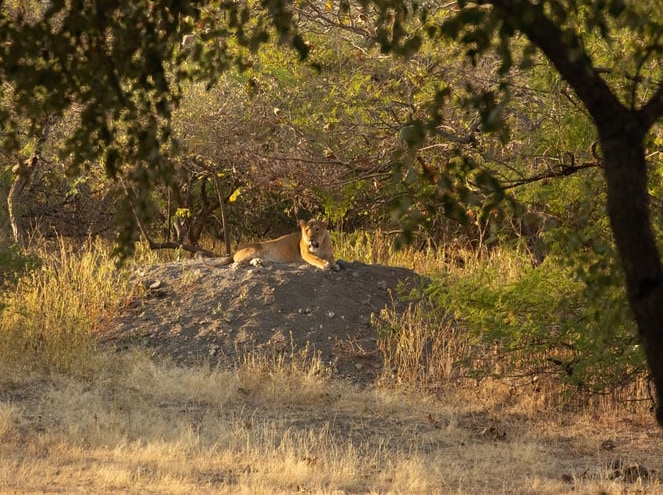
(313, 233)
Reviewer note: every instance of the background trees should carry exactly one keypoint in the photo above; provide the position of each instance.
(506, 122)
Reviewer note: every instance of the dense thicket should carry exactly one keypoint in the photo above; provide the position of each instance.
(330, 136)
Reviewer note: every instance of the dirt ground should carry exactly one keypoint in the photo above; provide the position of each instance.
(193, 312)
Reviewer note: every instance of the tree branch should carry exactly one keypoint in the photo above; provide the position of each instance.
(161, 245)
(653, 109)
(565, 51)
(559, 171)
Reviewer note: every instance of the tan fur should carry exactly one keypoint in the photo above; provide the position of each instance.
(311, 244)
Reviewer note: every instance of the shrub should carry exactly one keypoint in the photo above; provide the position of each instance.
(544, 320)
(13, 264)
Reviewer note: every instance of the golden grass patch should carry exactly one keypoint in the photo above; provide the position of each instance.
(141, 426)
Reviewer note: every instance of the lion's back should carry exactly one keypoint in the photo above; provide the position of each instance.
(285, 249)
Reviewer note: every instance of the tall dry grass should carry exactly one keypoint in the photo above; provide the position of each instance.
(421, 346)
(378, 248)
(50, 317)
(147, 427)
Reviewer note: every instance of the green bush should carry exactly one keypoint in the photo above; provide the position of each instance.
(13, 264)
(545, 320)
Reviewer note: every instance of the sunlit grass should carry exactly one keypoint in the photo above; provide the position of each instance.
(140, 426)
(51, 315)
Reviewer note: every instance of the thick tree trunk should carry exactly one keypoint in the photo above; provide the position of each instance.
(626, 176)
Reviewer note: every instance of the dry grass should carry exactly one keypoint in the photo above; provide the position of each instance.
(142, 427)
(124, 423)
(50, 317)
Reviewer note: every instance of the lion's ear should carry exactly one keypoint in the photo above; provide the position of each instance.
(301, 224)
(325, 222)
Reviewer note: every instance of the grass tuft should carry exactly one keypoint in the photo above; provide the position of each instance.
(50, 317)
(421, 346)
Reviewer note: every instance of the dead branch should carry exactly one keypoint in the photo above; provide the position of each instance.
(162, 245)
(563, 170)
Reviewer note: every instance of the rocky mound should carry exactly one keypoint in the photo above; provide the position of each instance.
(195, 313)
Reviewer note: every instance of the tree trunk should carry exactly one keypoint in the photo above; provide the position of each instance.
(626, 177)
(23, 173)
(621, 134)
(224, 218)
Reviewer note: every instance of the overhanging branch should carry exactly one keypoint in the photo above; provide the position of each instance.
(556, 172)
(565, 51)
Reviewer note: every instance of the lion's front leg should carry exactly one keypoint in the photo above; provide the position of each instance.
(312, 259)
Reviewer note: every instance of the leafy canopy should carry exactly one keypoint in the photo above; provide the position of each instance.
(121, 66)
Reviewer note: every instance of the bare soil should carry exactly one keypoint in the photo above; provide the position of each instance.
(194, 313)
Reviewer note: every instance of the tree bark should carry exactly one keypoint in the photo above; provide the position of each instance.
(621, 133)
(626, 177)
(224, 218)
(23, 173)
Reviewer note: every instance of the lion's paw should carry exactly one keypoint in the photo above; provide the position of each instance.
(332, 266)
(257, 262)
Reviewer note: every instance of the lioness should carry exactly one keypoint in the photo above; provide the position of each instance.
(312, 244)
